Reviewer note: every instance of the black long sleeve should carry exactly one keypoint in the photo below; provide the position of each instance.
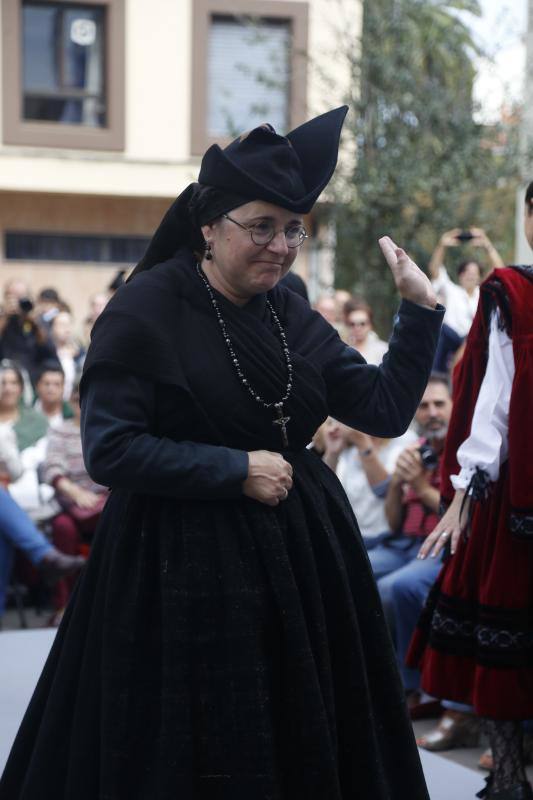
(118, 412)
(382, 400)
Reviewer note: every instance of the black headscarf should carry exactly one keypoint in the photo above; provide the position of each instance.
(289, 171)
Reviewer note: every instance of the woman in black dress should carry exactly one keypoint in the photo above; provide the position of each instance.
(226, 639)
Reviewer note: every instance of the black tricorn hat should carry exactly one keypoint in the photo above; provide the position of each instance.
(289, 171)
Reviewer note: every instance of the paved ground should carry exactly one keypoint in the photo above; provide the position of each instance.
(465, 756)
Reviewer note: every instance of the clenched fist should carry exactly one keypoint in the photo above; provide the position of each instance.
(269, 477)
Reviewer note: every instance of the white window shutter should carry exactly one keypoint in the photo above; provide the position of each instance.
(248, 75)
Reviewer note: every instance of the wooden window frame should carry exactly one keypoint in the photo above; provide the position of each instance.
(296, 14)
(18, 131)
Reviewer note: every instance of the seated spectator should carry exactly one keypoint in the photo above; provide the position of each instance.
(411, 507)
(48, 305)
(30, 429)
(461, 298)
(327, 307)
(97, 303)
(364, 465)
(358, 322)
(22, 339)
(18, 531)
(81, 499)
(69, 352)
(342, 296)
(50, 390)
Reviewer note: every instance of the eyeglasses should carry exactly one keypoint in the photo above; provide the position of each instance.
(262, 233)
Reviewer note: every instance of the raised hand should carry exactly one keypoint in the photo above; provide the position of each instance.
(449, 239)
(410, 281)
(480, 238)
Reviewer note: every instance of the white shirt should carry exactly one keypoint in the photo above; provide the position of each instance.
(368, 507)
(460, 306)
(487, 447)
(54, 420)
(374, 349)
(25, 488)
(10, 462)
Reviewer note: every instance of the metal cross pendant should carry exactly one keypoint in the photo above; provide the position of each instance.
(282, 422)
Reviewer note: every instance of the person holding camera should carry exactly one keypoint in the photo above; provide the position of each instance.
(22, 339)
(411, 508)
(461, 298)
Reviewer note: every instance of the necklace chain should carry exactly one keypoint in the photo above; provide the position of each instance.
(278, 404)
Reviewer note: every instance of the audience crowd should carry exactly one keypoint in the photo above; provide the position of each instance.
(49, 506)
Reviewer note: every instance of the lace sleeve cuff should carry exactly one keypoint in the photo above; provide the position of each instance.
(462, 480)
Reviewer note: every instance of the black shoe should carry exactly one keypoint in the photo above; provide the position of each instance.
(518, 791)
(56, 565)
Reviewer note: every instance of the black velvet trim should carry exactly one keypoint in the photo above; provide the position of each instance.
(478, 489)
(493, 297)
(525, 269)
(521, 523)
(494, 636)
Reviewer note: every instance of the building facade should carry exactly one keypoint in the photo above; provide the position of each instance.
(107, 106)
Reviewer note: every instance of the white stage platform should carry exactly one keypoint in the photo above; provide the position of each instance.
(22, 655)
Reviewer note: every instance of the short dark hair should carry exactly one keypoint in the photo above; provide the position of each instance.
(49, 366)
(49, 294)
(440, 377)
(357, 304)
(464, 264)
(529, 198)
(8, 364)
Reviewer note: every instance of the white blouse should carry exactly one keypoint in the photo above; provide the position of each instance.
(460, 306)
(488, 444)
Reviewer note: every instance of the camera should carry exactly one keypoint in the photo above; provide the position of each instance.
(429, 457)
(25, 305)
(464, 236)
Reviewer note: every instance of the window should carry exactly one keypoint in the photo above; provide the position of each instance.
(249, 67)
(63, 83)
(63, 63)
(24, 246)
(247, 75)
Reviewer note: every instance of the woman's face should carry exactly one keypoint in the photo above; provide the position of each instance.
(245, 267)
(62, 328)
(470, 277)
(358, 324)
(10, 389)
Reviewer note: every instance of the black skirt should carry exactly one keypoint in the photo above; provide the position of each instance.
(221, 650)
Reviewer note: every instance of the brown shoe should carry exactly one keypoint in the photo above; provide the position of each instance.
(55, 565)
(455, 729)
